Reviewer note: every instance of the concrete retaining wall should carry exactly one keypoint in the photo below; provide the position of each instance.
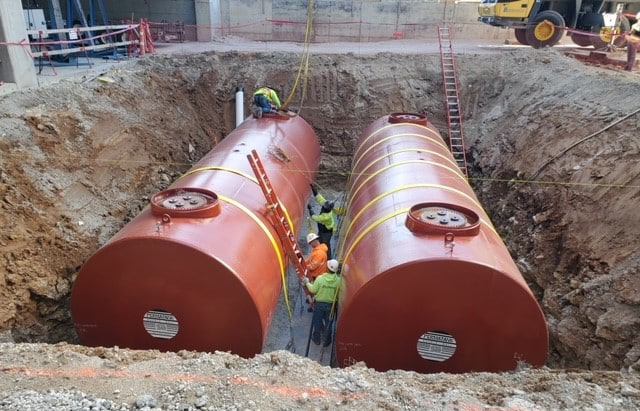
(352, 20)
(335, 20)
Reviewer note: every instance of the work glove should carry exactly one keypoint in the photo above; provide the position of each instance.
(310, 209)
(314, 190)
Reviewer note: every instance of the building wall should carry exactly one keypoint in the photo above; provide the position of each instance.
(352, 20)
(334, 20)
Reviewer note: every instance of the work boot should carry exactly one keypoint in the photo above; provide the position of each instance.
(316, 340)
(327, 343)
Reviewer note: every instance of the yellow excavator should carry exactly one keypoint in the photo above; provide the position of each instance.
(541, 23)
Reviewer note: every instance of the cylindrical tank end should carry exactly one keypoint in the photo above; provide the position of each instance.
(442, 316)
(149, 292)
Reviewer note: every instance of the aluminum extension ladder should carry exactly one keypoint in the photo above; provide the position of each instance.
(278, 217)
(454, 114)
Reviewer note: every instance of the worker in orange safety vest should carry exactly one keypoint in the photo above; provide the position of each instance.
(317, 261)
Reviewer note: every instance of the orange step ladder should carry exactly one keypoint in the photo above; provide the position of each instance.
(278, 218)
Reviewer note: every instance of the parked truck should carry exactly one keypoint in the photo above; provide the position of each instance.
(541, 23)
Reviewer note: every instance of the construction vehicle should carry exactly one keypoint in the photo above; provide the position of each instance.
(541, 23)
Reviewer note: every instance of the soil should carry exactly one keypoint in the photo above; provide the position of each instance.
(80, 158)
(58, 377)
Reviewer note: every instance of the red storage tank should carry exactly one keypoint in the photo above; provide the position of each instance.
(201, 268)
(428, 285)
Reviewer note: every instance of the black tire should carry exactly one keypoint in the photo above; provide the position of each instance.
(601, 42)
(521, 36)
(552, 36)
(582, 40)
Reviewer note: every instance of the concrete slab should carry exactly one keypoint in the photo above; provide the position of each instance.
(16, 64)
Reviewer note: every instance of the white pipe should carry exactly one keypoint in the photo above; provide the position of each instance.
(239, 105)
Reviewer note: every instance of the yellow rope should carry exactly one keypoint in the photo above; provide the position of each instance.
(304, 62)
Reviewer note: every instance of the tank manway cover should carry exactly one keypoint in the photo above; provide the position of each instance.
(441, 218)
(186, 202)
(411, 118)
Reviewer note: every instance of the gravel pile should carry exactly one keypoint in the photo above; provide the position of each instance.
(67, 377)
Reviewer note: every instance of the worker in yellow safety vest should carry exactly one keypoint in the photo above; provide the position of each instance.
(265, 100)
(325, 288)
(326, 219)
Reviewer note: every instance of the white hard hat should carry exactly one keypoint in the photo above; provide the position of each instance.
(333, 265)
(638, 15)
(311, 237)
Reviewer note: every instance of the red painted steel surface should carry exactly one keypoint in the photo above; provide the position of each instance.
(406, 294)
(217, 271)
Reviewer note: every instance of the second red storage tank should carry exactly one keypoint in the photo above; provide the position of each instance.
(428, 285)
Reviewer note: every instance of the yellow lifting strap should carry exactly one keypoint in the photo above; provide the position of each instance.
(245, 175)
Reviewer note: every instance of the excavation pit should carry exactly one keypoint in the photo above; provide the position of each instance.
(81, 158)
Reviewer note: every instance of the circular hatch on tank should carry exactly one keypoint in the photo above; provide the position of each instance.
(411, 118)
(186, 202)
(439, 218)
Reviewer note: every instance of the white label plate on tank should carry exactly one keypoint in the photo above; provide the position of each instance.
(161, 324)
(436, 346)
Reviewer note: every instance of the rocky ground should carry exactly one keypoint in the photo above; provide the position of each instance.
(80, 158)
(63, 377)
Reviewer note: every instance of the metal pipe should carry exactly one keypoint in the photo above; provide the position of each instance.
(239, 105)
(202, 268)
(427, 283)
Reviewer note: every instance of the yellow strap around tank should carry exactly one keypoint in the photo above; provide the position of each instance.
(371, 147)
(368, 230)
(406, 150)
(242, 174)
(364, 183)
(407, 187)
(274, 243)
(355, 153)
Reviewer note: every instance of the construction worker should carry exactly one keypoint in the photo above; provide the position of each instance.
(317, 261)
(326, 219)
(265, 100)
(633, 42)
(325, 289)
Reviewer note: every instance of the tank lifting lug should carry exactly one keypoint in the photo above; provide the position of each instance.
(165, 219)
(449, 243)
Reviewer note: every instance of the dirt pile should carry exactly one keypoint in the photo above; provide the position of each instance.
(62, 376)
(570, 223)
(80, 158)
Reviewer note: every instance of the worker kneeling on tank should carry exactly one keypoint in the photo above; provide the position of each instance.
(265, 100)
(325, 289)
